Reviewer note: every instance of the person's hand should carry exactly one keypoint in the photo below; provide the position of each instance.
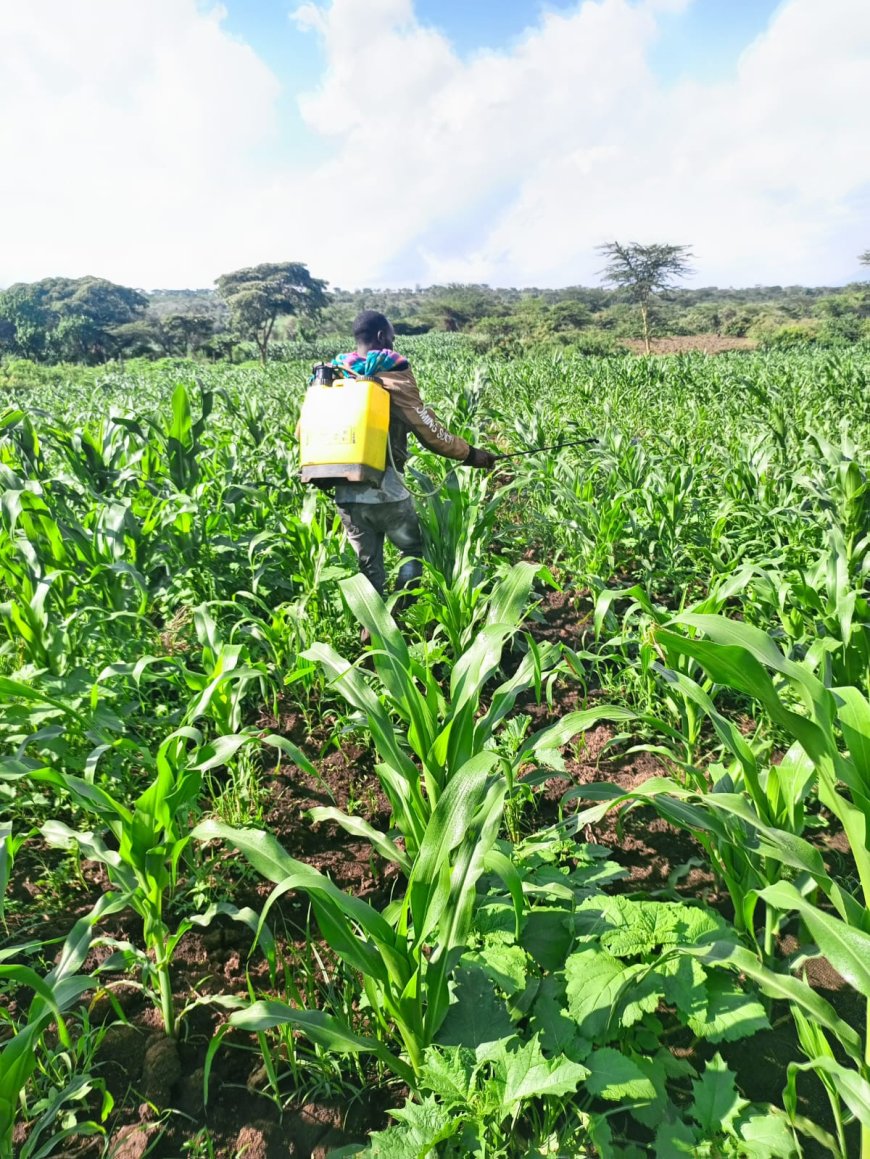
(484, 460)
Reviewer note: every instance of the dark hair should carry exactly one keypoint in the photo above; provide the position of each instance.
(368, 325)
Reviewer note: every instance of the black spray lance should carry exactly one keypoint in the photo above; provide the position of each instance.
(554, 447)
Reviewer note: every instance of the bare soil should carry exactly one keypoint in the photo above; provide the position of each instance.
(690, 343)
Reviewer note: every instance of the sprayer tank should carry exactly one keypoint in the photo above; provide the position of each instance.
(343, 432)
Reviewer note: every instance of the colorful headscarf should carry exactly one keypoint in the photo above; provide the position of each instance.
(375, 362)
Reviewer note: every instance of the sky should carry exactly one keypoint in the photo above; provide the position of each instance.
(412, 142)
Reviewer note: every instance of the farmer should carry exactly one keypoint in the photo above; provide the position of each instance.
(369, 511)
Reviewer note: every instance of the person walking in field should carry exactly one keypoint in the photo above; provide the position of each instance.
(370, 513)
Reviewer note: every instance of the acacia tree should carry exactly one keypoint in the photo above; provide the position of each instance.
(259, 295)
(644, 270)
(864, 258)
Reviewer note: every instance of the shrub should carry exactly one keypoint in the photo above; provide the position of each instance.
(594, 342)
(792, 334)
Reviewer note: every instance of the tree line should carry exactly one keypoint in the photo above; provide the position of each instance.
(92, 320)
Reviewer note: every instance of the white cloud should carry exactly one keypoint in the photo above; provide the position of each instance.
(463, 132)
(138, 146)
(124, 135)
(761, 174)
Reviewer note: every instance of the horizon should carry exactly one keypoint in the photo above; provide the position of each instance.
(419, 289)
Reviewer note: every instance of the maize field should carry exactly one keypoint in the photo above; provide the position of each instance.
(571, 860)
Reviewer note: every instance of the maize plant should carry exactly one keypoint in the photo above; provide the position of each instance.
(148, 839)
(53, 996)
(442, 732)
(404, 961)
(754, 814)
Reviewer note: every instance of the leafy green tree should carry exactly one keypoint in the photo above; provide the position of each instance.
(26, 321)
(454, 307)
(88, 310)
(643, 271)
(222, 345)
(501, 332)
(259, 295)
(138, 339)
(76, 338)
(183, 333)
(68, 319)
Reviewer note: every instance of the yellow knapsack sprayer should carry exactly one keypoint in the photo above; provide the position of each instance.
(343, 429)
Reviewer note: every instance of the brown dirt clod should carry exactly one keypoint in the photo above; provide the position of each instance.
(161, 1070)
(132, 1142)
(261, 1140)
(121, 1057)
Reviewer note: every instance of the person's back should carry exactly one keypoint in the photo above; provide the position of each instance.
(408, 414)
(370, 512)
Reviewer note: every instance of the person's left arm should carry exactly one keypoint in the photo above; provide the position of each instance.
(427, 426)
